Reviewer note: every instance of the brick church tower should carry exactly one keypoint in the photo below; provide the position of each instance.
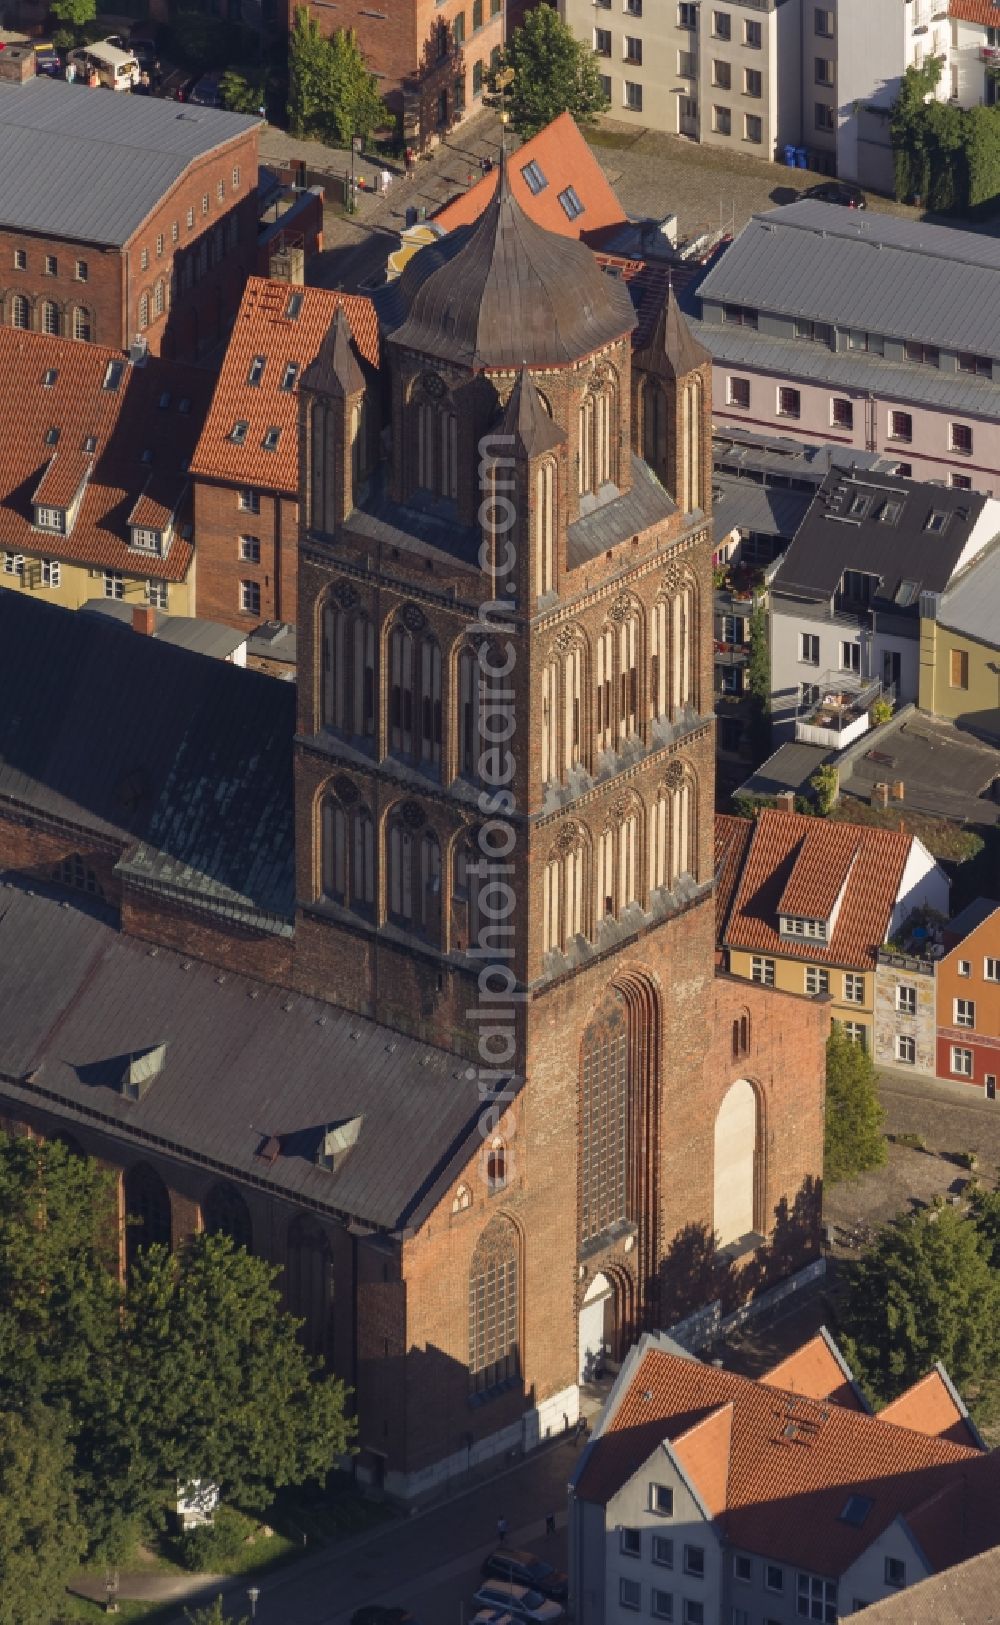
(504, 808)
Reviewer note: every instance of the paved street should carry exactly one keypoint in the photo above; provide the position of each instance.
(429, 1564)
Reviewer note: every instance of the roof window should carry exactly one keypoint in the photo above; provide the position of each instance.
(164, 400)
(184, 406)
(51, 374)
(147, 456)
(113, 374)
(289, 375)
(906, 593)
(294, 306)
(936, 521)
(858, 505)
(571, 202)
(535, 178)
(90, 444)
(856, 1510)
(238, 432)
(889, 513)
(270, 440)
(256, 372)
(51, 437)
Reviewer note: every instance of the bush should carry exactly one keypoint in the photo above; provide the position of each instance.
(213, 1546)
(826, 783)
(854, 1115)
(880, 712)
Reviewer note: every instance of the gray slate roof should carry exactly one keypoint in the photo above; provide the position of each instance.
(866, 270)
(604, 521)
(92, 167)
(972, 603)
(181, 631)
(768, 510)
(183, 761)
(244, 1062)
(830, 540)
(779, 457)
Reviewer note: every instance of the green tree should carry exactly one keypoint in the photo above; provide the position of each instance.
(986, 1217)
(553, 73)
(41, 1537)
(826, 783)
(223, 1389)
(759, 681)
(925, 1292)
(331, 93)
(244, 90)
(854, 1116)
(214, 1614)
(75, 12)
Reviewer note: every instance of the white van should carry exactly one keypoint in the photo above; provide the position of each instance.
(117, 69)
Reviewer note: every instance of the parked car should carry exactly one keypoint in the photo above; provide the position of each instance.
(182, 91)
(48, 60)
(527, 1570)
(521, 1601)
(207, 92)
(842, 192)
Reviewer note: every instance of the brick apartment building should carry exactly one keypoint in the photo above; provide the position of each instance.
(122, 217)
(430, 58)
(446, 1229)
(95, 499)
(246, 464)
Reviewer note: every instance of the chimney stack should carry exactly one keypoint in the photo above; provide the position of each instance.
(880, 795)
(17, 63)
(785, 800)
(144, 619)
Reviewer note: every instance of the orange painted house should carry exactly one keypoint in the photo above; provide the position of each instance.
(968, 998)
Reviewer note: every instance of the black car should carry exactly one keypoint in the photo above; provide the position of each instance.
(842, 192)
(525, 1569)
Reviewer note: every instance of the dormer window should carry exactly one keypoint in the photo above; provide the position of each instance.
(147, 540)
(51, 374)
(270, 440)
(113, 374)
(335, 1141)
(238, 432)
(294, 306)
(50, 519)
(289, 375)
(937, 521)
(796, 925)
(256, 372)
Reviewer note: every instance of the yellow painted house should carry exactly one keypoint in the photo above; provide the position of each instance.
(814, 901)
(960, 648)
(95, 500)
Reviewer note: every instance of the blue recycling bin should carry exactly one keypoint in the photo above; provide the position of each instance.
(790, 157)
(801, 158)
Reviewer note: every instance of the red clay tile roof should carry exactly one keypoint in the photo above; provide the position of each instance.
(930, 1407)
(815, 882)
(866, 911)
(815, 1371)
(141, 415)
(792, 1464)
(704, 1452)
(983, 12)
(732, 841)
(564, 159)
(263, 328)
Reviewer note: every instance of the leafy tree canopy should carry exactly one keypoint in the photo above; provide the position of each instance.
(925, 1292)
(553, 73)
(854, 1115)
(41, 1536)
(243, 90)
(331, 93)
(214, 1614)
(76, 12)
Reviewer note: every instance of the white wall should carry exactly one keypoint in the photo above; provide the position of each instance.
(923, 885)
(630, 1508)
(864, 1581)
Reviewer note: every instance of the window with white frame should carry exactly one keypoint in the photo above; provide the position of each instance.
(854, 988)
(632, 96)
(51, 572)
(961, 1061)
(841, 412)
(50, 519)
(663, 1551)
(795, 925)
(789, 402)
(762, 971)
(149, 541)
(816, 1599)
(630, 1542)
(965, 1013)
(250, 597)
(156, 594)
(661, 1500)
(817, 979)
(895, 1572)
(249, 501)
(13, 564)
(694, 1612)
(850, 657)
(738, 393)
(856, 1033)
(991, 969)
(114, 584)
(906, 999)
(753, 131)
(742, 1568)
(900, 426)
(250, 549)
(961, 438)
(630, 1593)
(965, 967)
(906, 1049)
(809, 648)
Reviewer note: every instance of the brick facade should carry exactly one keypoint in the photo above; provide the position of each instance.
(178, 293)
(221, 526)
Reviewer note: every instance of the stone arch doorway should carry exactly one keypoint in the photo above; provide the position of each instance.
(147, 1212)
(606, 1323)
(737, 1174)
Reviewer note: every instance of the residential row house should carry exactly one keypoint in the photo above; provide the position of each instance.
(806, 903)
(123, 219)
(938, 998)
(862, 330)
(960, 648)
(708, 1498)
(95, 496)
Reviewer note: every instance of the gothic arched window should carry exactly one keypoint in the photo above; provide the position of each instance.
(572, 701)
(545, 518)
(604, 689)
(415, 696)
(82, 326)
(692, 495)
(414, 873)
(673, 829)
(628, 676)
(470, 878)
(51, 321)
(224, 1213)
(470, 742)
(682, 640)
(348, 671)
(20, 311)
(585, 456)
(618, 865)
(654, 427)
(736, 1158)
(604, 1096)
(550, 722)
(494, 1354)
(348, 854)
(309, 1284)
(147, 1211)
(144, 312)
(563, 891)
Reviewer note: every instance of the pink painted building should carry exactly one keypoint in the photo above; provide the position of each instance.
(862, 330)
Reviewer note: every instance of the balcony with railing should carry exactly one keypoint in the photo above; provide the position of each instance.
(836, 710)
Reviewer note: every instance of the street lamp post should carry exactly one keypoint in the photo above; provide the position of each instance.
(253, 1593)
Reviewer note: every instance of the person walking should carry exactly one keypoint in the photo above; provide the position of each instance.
(411, 162)
(385, 180)
(502, 1530)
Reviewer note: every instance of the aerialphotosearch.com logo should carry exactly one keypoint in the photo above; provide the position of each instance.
(492, 874)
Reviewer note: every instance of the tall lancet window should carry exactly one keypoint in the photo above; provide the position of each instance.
(544, 528)
(348, 695)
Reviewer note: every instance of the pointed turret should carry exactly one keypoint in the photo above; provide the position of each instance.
(671, 351)
(527, 420)
(335, 370)
(333, 428)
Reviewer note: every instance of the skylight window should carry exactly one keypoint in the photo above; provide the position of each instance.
(51, 374)
(164, 400)
(113, 374)
(889, 513)
(571, 202)
(856, 1510)
(289, 375)
(51, 437)
(256, 373)
(906, 593)
(184, 406)
(90, 444)
(270, 440)
(858, 505)
(294, 306)
(238, 432)
(937, 520)
(534, 177)
(147, 456)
